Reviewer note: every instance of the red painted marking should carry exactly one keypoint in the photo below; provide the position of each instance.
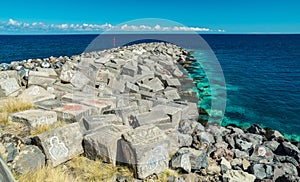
(96, 102)
(72, 107)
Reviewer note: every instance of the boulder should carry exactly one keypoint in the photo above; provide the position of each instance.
(146, 148)
(35, 117)
(290, 149)
(262, 171)
(189, 159)
(9, 87)
(36, 93)
(60, 144)
(71, 112)
(30, 158)
(284, 169)
(104, 143)
(185, 140)
(95, 121)
(237, 175)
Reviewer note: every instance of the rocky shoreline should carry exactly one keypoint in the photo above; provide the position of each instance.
(132, 106)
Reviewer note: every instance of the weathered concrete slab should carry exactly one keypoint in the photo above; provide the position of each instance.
(130, 87)
(153, 117)
(189, 109)
(35, 117)
(49, 104)
(155, 84)
(49, 71)
(173, 82)
(104, 143)
(60, 144)
(173, 112)
(100, 104)
(40, 81)
(130, 69)
(9, 87)
(146, 75)
(171, 94)
(95, 121)
(104, 59)
(118, 85)
(36, 93)
(72, 112)
(146, 148)
(9, 74)
(102, 76)
(79, 80)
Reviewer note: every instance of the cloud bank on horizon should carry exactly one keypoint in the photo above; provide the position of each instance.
(14, 26)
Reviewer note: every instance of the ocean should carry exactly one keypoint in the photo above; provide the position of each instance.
(262, 73)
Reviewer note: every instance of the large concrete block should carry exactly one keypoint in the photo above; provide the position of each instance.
(155, 84)
(36, 93)
(48, 104)
(79, 80)
(146, 149)
(8, 87)
(5, 173)
(171, 94)
(51, 72)
(156, 117)
(35, 117)
(40, 81)
(9, 74)
(173, 112)
(95, 121)
(104, 143)
(60, 144)
(72, 112)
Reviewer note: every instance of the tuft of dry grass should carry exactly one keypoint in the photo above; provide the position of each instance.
(164, 175)
(79, 169)
(43, 128)
(12, 105)
(47, 174)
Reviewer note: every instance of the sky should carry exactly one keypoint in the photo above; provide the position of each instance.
(94, 16)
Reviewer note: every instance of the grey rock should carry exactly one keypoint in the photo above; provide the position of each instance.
(35, 117)
(35, 94)
(147, 149)
(173, 112)
(240, 154)
(262, 171)
(243, 145)
(290, 149)
(60, 144)
(94, 121)
(156, 117)
(171, 94)
(288, 178)
(284, 169)
(237, 175)
(256, 129)
(185, 140)
(79, 80)
(104, 143)
(189, 127)
(9, 87)
(273, 145)
(286, 159)
(30, 158)
(203, 140)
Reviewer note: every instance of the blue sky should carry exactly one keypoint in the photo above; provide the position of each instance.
(92, 16)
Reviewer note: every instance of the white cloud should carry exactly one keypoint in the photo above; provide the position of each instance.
(40, 27)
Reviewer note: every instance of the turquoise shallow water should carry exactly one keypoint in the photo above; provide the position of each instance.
(262, 74)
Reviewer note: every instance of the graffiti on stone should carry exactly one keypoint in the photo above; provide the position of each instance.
(58, 149)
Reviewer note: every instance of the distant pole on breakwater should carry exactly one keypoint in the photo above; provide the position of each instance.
(114, 41)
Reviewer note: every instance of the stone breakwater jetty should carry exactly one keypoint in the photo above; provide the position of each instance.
(133, 106)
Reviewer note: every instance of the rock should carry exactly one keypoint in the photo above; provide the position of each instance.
(240, 154)
(45, 64)
(236, 175)
(189, 127)
(236, 162)
(67, 72)
(262, 154)
(5, 173)
(79, 80)
(243, 145)
(203, 140)
(156, 117)
(262, 171)
(171, 94)
(155, 84)
(290, 149)
(147, 149)
(185, 140)
(256, 129)
(35, 117)
(95, 121)
(288, 178)
(104, 143)
(273, 145)
(60, 144)
(217, 131)
(173, 112)
(225, 165)
(173, 82)
(284, 169)
(35, 94)
(30, 158)
(189, 159)
(4, 75)
(213, 169)
(9, 87)
(222, 152)
(245, 164)
(71, 112)
(286, 159)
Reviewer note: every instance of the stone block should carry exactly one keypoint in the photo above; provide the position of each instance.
(72, 112)
(171, 94)
(5, 173)
(40, 81)
(146, 149)
(156, 117)
(35, 117)
(118, 85)
(60, 144)
(51, 72)
(95, 121)
(155, 84)
(9, 74)
(9, 87)
(173, 82)
(79, 80)
(49, 104)
(36, 93)
(104, 143)
(173, 112)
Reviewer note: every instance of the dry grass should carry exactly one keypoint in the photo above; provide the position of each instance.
(44, 128)
(164, 176)
(12, 105)
(79, 169)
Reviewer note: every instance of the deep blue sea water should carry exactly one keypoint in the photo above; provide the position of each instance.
(262, 72)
